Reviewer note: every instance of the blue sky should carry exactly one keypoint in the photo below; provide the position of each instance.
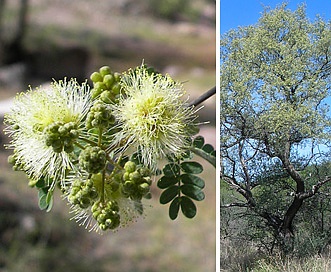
(234, 13)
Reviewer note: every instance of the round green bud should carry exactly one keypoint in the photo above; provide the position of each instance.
(61, 136)
(100, 86)
(148, 180)
(129, 186)
(135, 176)
(104, 70)
(116, 88)
(95, 77)
(82, 193)
(57, 146)
(107, 97)
(144, 172)
(32, 182)
(63, 130)
(117, 76)
(126, 176)
(108, 80)
(143, 188)
(95, 93)
(93, 194)
(106, 214)
(12, 159)
(95, 213)
(102, 216)
(73, 133)
(84, 202)
(68, 148)
(129, 166)
(103, 227)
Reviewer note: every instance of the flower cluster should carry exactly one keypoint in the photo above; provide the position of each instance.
(99, 144)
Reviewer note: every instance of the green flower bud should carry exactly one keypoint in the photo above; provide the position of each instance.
(116, 88)
(83, 193)
(129, 186)
(61, 136)
(135, 176)
(99, 116)
(144, 172)
(68, 148)
(104, 70)
(93, 159)
(130, 166)
(143, 188)
(95, 77)
(84, 202)
(107, 97)
(126, 176)
(100, 86)
(12, 159)
(95, 93)
(147, 180)
(106, 214)
(117, 76)
(108, 80)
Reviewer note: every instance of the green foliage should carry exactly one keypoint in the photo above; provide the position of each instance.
(274, 67)
(45, 194)
(181, 186)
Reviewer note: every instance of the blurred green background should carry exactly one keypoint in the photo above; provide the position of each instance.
(45, 40)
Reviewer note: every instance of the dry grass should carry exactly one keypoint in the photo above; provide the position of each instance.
(243, 256)
(315, 263)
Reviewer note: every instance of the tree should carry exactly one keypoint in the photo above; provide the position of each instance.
(275, 77)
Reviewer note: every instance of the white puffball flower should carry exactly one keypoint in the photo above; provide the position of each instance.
(153, 116)
(62, 102)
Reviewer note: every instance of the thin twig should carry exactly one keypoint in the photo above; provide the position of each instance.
(203, 97)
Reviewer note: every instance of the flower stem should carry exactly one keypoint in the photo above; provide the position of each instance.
(203, 97)
(88, 141)
(79, 145)
(102, 197)
(100, 137)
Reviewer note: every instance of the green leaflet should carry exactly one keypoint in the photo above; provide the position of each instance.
(169, 194)
(188, 207)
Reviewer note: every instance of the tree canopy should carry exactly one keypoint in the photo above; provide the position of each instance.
(274, 82)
